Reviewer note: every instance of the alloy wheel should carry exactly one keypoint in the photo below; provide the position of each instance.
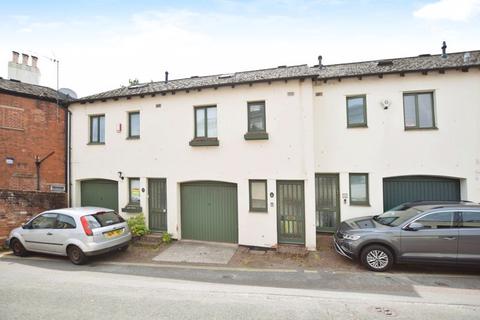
(377, 259)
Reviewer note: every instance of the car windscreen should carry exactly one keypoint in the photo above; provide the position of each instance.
(396, 218)
(107, 218)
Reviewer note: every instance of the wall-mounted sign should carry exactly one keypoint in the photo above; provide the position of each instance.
(344, 195)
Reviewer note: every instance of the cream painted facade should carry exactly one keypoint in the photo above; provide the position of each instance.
(308, 134)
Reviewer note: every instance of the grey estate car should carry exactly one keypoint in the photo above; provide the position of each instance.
(424, 232)
(74, 232)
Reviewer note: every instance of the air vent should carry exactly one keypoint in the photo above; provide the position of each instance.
(137, 86)
(226, 76)
(385, 63)
(425, 55)
(194, 77)
(282, 67)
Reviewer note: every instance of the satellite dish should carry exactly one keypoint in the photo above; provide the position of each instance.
(68, 92)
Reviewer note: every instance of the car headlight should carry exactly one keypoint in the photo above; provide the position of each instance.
(351, 236)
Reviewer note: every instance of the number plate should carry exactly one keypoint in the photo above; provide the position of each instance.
(114, 233)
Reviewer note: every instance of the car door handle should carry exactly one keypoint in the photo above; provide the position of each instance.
(449, 238)
(49, 234)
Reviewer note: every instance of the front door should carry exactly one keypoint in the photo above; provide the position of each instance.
(437, 241)
(290, 212)
(327, 202)
(157, 204)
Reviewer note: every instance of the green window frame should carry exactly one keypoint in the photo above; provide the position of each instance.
(251, 116)
(260, 205)
(202, 116)
(132, 135)
(414, 113)
(349, 103)
(97, 129)
(353, 198)
(134, 195)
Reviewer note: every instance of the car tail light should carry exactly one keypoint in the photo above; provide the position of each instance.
(86, 226)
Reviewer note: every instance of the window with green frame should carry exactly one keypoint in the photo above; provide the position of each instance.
(134, 191)
(134, 125)
(97, 129)
(418, 110)
(258, 195)
(256, 116)
(357, 111)
(359, 195)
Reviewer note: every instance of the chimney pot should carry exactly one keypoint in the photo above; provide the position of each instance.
(166, 76)
(34, 62)
(15, 56)
(444, 49)
(25, 59)
(320, 62)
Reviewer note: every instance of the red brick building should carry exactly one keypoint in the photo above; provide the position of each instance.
(33, 158)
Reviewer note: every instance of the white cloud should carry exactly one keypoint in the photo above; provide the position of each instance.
(453, 10)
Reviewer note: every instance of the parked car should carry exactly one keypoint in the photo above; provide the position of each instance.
(418, 232)
(74, 232)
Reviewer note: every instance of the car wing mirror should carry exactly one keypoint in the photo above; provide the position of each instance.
(415, 226)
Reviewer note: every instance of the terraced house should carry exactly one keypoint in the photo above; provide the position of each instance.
(269, 157)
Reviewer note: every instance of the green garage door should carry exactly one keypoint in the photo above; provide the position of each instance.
(100, 193)
(397, 190)
(209, 211)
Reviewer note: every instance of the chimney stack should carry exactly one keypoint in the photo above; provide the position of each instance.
(34, 62)
(444, 50)
(25, 59)
(166, 76)
(320, 62)
(15, 56)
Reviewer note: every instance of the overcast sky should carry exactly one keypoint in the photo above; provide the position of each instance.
(101, 44)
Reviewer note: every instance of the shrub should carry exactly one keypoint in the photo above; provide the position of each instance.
(137, 225)
(167, 238)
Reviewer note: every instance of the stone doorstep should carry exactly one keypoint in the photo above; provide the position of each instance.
(152, 237)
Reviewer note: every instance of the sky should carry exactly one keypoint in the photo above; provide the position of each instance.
(102, 44)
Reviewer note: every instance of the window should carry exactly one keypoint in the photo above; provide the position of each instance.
(256, 116)
(97, 129)
(258, 195)
(470, 219)
(359, 189)
(45, 221)
(356, 111)
(108, 218)
(65, 222)
(134, 125)
(438, 220)
(134, 190)
(418, 110)
(205, 126)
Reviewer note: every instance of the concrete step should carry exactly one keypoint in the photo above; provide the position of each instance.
(152, 238)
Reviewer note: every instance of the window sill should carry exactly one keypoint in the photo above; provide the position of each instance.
(257, 211)
(133, 138)
(256, 136)
(353, 126)
(96, 143)
(204, 142)
(360, 204)
(132, 208)
(420, 129)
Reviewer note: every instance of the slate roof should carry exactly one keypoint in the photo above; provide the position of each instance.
(32, 91)
(422, 63)
(401, 65)
(279, 73)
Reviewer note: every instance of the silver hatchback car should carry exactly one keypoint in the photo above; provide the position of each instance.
(74, 232)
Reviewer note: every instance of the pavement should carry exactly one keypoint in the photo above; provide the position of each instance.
(197, 252)
(39, 287)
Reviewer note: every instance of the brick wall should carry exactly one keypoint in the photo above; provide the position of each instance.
(29, 128)
(16, 207)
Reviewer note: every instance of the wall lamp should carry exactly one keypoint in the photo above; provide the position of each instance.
(120, 175)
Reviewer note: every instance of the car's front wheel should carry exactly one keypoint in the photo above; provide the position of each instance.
(76, 255)
(18, 248)
(377, 258)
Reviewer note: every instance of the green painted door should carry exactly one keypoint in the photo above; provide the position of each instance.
(290, 212)
(397, 190)
(157, 204)
(99, 193)
(209, 211)
(327, 202)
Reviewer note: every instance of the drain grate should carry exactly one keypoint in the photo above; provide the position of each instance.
(386, 311)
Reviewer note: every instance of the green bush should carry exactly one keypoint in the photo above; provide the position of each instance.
(137, 225)
(167, 238)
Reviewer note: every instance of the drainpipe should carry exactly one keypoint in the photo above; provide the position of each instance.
(38, 163)
(69, 157)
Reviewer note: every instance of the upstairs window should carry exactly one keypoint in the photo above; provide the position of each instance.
(418, 110)
(356, 111)
(256, 116)
(134, 125)
(97, 129)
